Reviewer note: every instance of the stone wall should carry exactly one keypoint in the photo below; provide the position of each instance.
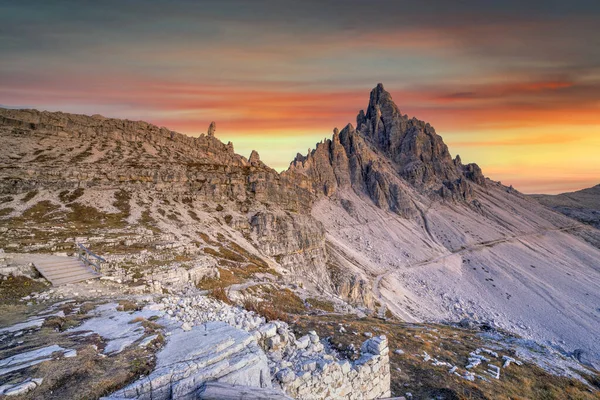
(366, 378)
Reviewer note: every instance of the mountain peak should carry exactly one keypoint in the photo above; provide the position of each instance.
(379, 95)
(384, 136)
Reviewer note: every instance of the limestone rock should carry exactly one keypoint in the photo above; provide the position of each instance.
(254, 159)
(214, 351)
(220, 391)
(21, 388)
(212, 128)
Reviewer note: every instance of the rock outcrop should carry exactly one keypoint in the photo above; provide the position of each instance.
(83, 151)
(295, 242)
(303, 367)
(214, 351)
(386, 156)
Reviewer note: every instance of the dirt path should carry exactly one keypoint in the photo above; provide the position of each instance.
(473, 247)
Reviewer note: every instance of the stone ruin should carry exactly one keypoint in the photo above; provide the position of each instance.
(209, 341)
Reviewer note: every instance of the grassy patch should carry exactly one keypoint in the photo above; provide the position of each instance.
(83, 216)
(121, 202)
(265, 310)
(224, 253)
(82, 156)
(16, 287)
(43, 211)
(207, 239)
(321, 304)
(6, 199)
(30, 195)
(193, 215)
(147, 221)
(5, 211)
(128, 305)
(287, 301)
(274, 303)
(60, 324)
(68, 197)
(88, 376)
(226, 278)
(220, 293)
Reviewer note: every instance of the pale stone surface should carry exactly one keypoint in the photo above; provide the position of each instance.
(220, 391)
(116, 327)
(214, 351)
(31, 324)
(25, 360)
(21, 388)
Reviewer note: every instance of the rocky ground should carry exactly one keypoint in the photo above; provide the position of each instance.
(130, 343)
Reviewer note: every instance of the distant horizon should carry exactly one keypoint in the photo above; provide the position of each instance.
(514, 87)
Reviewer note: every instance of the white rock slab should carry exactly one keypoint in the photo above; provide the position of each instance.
(214, 351)
(27, 359)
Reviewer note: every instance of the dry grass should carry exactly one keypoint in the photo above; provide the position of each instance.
(265, 310)
(16, 287)
(6, 199)
(321, 304)
(224, 253)
(236, 264)
(193, 215)
(60, 324)
(424, 381)
(89, 375)
(275, 303)
(128, 305)
(220, 293)
(148, 222)
(207, 239)
(41, 212)
(30, 195)
(226, 278)
(68, 197)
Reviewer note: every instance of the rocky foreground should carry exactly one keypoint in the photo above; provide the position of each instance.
(192, 345)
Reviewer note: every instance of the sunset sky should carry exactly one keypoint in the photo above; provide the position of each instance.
(514, 87)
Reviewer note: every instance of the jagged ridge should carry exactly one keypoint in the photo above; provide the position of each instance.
(386, 146)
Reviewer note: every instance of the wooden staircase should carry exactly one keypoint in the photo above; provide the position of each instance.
(63, 270)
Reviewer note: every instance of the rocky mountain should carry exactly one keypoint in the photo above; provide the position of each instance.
(380, 216)
(582, 205)
(385, 157)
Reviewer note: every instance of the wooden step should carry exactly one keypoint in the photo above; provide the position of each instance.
(75, 279)
(66, 270)
(63, 274)
(52, 266)
(73, 276)
(63, 268)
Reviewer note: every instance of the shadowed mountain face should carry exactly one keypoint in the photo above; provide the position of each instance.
(380, 212)
(386, 157)
(583, 205)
